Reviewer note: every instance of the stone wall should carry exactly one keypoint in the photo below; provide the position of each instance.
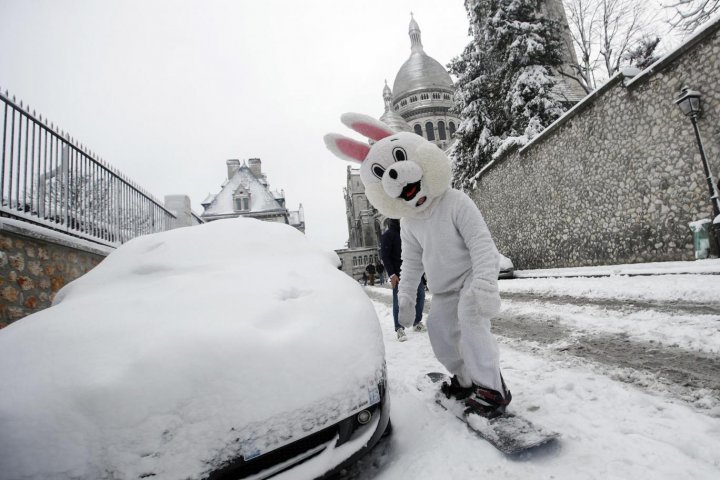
(34, 267)
(618, 178)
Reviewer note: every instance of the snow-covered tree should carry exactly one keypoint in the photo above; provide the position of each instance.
(690, 14)
(643, 54)
(504, 89)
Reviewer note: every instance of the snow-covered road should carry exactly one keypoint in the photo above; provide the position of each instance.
(576, 367)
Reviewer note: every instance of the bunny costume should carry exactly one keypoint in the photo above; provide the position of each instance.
(444, 235)
(451, 243)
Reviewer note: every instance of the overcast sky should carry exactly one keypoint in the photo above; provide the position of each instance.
(168, 90)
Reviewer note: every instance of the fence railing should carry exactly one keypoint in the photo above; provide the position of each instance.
(48, 178)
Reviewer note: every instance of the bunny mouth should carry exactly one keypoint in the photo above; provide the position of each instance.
(421, 201)
(410, 190)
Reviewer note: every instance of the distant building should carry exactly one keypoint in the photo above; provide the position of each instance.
(246, 193)
(364, 227)
(422, 94)
(421, 101)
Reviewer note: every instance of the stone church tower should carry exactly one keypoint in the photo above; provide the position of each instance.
(567, 88)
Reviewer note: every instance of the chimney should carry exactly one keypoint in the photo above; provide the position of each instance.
(255, 167)
(233, 165)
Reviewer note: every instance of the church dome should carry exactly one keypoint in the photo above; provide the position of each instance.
(420, 71)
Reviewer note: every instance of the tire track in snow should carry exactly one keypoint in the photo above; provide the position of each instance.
(691, 376)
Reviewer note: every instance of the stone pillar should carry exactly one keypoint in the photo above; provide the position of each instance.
(180, 206)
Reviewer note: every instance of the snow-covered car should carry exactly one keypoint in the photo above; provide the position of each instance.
(507, 269)
(234, 349)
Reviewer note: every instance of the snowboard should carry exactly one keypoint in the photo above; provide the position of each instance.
(510, 433)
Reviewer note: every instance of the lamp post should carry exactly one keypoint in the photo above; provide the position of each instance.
(689, 103)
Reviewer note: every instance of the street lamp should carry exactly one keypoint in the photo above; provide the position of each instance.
(689, 103)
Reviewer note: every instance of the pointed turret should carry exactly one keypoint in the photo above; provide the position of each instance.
(390, 118)
(387, 97)
(415, 38)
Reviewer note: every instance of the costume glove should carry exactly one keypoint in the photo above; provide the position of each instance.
(481, 297)
(406, 315)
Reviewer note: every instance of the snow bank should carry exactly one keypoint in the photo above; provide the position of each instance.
(665, 288)
(144, 365)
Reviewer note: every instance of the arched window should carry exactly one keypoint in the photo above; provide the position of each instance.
(441, 130)
(354, 261)
(452, 129)
(418, 129)
(430, 129)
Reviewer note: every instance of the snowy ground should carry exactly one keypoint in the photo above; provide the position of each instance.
(602, 372)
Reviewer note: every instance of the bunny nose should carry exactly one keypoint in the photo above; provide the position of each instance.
(393, 174)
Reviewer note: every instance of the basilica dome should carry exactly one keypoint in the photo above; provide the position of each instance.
(420, 71)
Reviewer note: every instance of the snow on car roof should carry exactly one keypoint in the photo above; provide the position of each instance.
(147, 362)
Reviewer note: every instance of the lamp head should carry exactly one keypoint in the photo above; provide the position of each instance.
(689, 102)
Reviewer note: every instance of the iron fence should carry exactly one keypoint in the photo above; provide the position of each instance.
(48, 178)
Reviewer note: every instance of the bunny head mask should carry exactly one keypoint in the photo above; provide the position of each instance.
(402, 172)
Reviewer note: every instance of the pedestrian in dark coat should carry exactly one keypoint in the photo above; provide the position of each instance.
(381, 272)
(391, 255)
(370, 269)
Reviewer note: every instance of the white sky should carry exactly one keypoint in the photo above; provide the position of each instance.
(166, 91)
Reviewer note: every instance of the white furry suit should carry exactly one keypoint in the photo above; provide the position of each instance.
(443, 234)
(451, 243)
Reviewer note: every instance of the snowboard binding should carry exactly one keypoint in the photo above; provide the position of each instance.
(482, 401)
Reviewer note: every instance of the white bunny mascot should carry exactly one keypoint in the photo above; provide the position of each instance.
(444, 235)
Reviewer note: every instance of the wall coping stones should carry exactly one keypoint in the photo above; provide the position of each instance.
(38, 232)
(661, 64)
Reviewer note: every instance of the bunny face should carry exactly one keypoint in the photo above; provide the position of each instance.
(402, 172)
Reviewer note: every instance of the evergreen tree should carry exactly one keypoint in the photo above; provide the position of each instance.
(504, 93)
(643, 54)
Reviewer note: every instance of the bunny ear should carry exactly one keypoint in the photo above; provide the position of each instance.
(367, 125)
(346, 148)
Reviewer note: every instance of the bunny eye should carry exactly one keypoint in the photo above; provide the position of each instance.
(378, 170)
(399, 154)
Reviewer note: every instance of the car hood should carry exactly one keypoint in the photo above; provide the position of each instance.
(175, 342)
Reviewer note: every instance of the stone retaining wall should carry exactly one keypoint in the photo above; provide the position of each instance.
(32, 270)
(618, 178)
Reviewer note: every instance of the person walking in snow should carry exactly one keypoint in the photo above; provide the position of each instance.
(380, 269)
(370, 269)
(444, 235)
(391, 255)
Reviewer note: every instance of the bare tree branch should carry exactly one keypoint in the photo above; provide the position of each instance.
(690, 14)
(604, 31)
